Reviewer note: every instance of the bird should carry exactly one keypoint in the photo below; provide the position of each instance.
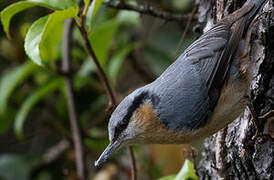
(204, 90)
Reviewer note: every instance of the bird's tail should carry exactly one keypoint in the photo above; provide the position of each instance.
(251, 15)
(248, 11)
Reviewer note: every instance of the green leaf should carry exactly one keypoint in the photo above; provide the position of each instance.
(33, 39)
(44, 35)
(10, 11)
(101, 37)
(92, 10)
(56, 4)
(170, 177)
(34, 98)
(86, 8)
(24, 29)
(86, 2)
(15, 8)
(10, 80)
(86, 68)
(187, 172)
(50, 40)
(8, 83)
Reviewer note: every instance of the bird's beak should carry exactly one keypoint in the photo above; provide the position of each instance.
(111, 148)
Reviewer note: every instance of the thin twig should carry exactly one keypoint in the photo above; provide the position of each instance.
(103, 78)
(51, 156)
(149, 10)
(267, 115)
(100, 72)
(73, 117)
(133, 164)
(55, 152)
(185, 31)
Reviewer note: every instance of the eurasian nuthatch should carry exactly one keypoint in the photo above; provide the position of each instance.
(200, 93)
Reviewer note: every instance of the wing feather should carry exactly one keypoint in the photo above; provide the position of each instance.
(190, 87)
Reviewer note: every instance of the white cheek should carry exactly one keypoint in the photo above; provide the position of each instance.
(130, 132)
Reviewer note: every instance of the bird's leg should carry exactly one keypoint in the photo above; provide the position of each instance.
(245, 50)
(267, 115)
(268, 119)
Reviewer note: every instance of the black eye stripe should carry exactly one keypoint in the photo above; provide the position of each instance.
(136, 103)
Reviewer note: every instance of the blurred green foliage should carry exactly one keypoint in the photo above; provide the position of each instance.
(33, 110)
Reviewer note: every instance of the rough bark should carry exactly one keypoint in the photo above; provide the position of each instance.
(246, 156)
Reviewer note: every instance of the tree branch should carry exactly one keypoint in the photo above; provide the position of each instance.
(133, 163)
(51, 156)
(73, 117)
(55, 152)
(103, 78)
(185, 31)
(149, 10)
(100, 72)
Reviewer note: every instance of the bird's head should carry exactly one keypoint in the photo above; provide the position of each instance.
(131, 121)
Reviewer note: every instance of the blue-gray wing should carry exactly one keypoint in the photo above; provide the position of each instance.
(190, 87)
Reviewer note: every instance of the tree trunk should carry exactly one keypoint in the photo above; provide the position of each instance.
(242, 154)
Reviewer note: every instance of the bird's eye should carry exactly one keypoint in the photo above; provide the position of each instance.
(135, 104)
(119, 128)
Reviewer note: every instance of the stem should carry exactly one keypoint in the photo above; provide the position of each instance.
(103, 78)
(133, 164)
(148, 10)
(73, 117)
(100, 72)
(185, 31)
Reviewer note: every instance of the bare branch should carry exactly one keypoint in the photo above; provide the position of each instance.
(103, 78)
(73, 117)
(51, 156)
(185, 31)
(133, 164)
(55, 152)
(149, 10)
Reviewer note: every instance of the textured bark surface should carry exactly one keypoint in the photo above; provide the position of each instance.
(247, 157)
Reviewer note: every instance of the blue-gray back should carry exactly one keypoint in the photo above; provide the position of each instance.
(189, 89)
(184, 87)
